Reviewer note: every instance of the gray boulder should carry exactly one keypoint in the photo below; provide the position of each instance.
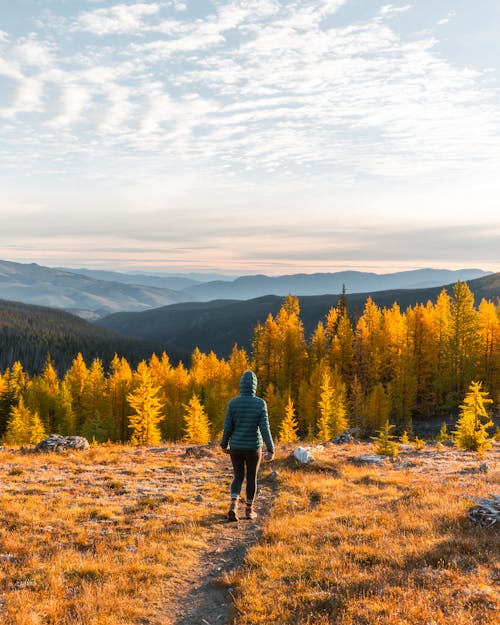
(56, 442)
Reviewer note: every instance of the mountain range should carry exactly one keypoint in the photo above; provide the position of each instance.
(76, 293)
(93, 294)
(248, 287)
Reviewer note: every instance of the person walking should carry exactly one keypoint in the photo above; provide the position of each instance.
(246, 428)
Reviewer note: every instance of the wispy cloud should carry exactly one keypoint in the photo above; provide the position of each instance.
(259, 84)
(119, 19)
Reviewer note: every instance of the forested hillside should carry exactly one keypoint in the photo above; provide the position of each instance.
(219, 324)
(30, 333)
(387, 364)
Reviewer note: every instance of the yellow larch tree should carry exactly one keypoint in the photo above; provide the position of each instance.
(324, 430)
(145, 402)
(470, 433)
(197, 426)
(289, 425)
(118, 387)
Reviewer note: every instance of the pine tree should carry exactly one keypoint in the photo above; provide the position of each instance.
(144, 400)
(470, 433)
(197, 426)
(289, 425)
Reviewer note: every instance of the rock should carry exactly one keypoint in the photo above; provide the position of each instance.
(272, 477)
(448, 443)
(56, 442)
(403, 447)
(199, 497)
(487, 512)
(484, 467)
(345, 437)
(201, 451)
(406, 465)
(375, 459)
(303, 455)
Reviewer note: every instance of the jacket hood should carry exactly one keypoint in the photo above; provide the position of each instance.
(248, 383)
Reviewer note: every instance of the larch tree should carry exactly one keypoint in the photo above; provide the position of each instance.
(37, 430)
(470, 433)
(118, 387)
(76, 377)
(378, 408)
(96, 407)
(464, 338)
(18, 425)
(289, 425)
(144, 400)
(197, 425)
(326, 406)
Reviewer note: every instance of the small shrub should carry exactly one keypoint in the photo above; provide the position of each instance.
(386, 446)
(418, 443)
(443, 435)
(403, 439)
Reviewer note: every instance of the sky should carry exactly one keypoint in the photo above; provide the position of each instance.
(250, 136)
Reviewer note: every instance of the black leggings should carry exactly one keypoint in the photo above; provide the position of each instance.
(249, 460)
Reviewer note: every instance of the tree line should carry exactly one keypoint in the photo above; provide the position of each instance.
(386, 365)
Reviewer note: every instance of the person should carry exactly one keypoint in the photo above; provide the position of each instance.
(246, 428)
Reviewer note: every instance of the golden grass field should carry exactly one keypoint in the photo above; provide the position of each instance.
(119, 535)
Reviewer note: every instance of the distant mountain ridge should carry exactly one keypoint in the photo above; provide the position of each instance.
(87, 297)
(217, 325)
(249, 287)
(93, 294)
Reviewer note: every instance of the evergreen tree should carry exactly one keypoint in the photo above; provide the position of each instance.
(197, 426)
(470, 433)
(289, 425)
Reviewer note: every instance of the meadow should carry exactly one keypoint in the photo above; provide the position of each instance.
(118, 535)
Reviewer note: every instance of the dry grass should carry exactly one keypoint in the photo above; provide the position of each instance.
(386, 545)
(111, 537)
(103, 537)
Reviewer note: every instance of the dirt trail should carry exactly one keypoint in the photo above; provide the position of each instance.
(206, 599)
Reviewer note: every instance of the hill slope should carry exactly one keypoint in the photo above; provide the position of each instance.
(90, 298)
(29, 333)
(248, 287)
(218, 324)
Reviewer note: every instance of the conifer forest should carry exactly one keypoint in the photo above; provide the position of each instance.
(388, 365)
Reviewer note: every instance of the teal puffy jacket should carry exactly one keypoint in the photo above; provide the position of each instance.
(247, 422)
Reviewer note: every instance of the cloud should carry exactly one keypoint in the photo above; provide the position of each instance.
(448, 18)
(255, 106)
(119, 19)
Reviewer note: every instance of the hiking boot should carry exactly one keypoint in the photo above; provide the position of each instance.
(232, 515)
(250, 513)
